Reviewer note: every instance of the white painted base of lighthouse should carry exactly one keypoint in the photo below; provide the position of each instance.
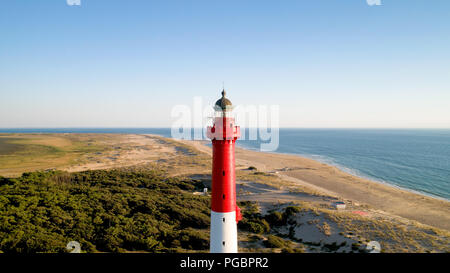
(223, 237)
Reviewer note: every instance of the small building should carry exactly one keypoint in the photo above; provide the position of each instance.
(339, 205)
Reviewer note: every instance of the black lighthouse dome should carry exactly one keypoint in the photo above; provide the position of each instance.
(223, 103)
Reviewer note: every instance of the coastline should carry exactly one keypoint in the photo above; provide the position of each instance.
(354, 172)
(332, 181)
(106, 151)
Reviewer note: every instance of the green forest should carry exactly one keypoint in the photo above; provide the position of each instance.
(104, 210)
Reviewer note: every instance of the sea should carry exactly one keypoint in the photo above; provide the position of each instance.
(417, 160)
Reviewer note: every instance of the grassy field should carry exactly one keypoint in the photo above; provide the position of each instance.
(7, 146)
(28, 152)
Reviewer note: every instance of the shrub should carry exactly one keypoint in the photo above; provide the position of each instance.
(258, 226)
(292, 250)
(194, 239)
(104, 210)
(275, 242)
(290, 211)
(275, 218)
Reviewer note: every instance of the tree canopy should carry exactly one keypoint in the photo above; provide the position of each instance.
(104, 210)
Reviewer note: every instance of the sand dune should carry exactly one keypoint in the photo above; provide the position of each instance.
(331, 181)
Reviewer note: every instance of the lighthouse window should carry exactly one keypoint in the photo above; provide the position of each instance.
(223, 196)
(223, 243)
(223, 172)
(223, 219)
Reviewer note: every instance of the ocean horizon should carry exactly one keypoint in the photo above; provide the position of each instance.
(417, 160)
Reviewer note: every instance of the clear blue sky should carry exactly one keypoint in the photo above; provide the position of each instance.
(326, 63)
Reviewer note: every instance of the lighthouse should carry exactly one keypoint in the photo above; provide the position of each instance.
(224, 212)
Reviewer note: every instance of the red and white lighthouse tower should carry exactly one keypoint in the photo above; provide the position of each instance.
(224, 212)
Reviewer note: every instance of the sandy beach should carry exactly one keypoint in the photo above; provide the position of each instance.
(330, 180)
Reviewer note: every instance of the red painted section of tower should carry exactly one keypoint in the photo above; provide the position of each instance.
(223, 135)
(238, 214)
